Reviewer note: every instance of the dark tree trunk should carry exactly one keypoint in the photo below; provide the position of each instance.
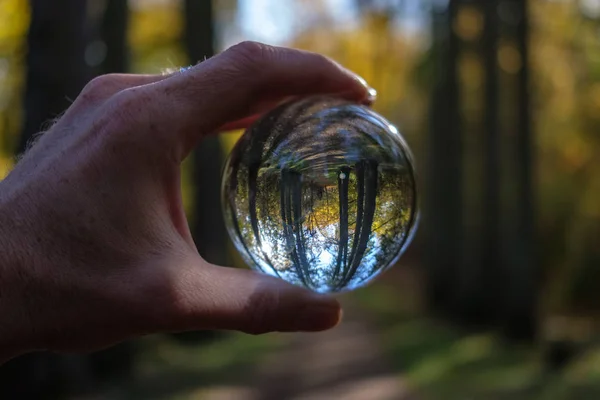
(115, 362)
(56, 73)
(444, 217)
(520, 313)
(487, 288)
(113, 32)
(56, 70)
(208, 227)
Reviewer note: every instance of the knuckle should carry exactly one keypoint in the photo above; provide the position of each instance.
(322, 59)
(251, 54)
(99, 87)
(132, 120)
(120, 119)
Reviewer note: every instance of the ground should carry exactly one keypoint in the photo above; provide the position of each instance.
(346, 362)
(385, 349)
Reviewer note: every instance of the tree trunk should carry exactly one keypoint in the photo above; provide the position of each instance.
(56, 70)
(520, 313)
(115, 362)
(443, 224)
(113, 31)
(56, 73)
(208, 227)
(489, 287)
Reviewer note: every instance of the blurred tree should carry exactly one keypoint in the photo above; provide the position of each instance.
(56, 69)
(443, 221)
(481, 270)
(478, 286)
(60, 60)
(490, 289)
(111, 31)
(113, 34)
(56, 72)
(208, 227)
(520, 306)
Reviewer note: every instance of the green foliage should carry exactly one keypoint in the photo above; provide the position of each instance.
(166, 369)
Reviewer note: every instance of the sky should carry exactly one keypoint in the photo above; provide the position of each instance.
(276, 21)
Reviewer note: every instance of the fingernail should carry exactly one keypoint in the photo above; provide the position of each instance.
(371, 92)
(319, 317)
(362, 81)
(372, 96)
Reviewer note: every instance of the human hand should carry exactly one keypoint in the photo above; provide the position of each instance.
(94, 244)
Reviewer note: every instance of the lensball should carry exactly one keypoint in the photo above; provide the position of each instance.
(321, 193)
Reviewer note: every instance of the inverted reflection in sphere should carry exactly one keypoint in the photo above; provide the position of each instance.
(321, 193)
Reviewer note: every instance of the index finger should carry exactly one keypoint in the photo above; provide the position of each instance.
(236, 84)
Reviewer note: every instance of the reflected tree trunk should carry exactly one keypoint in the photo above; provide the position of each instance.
(291, 216)
(295, 183)
(360, 208)
(366, 181)
(253, 168)
(233, 183)
(342, 257)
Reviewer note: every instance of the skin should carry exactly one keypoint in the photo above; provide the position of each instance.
(94, 244)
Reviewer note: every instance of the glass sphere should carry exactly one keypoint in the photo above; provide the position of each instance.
(321, 193)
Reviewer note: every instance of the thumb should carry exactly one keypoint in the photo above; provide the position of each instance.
(243, 300)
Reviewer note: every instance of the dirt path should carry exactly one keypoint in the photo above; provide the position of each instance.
(344, 363)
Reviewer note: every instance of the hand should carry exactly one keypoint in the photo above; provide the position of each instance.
(94, 244)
